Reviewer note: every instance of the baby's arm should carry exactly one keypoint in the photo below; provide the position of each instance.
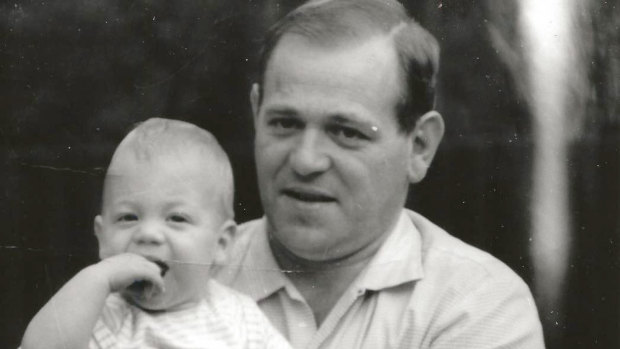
(68, 319)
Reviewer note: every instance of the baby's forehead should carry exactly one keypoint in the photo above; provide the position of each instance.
(158, 187)
(128, 159)
(166, 146)
(198, 164)
(186, 172)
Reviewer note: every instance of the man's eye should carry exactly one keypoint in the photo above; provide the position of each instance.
(347, 135)
(284, 124)
(127, 217)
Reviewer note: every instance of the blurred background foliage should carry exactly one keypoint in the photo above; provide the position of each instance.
(75, 75)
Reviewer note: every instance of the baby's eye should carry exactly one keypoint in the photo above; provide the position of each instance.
(178, 218)
(127, 217)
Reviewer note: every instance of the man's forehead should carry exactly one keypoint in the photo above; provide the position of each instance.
(368, 54)
(298, 65)
(332, 44)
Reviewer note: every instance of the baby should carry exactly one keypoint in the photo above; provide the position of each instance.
(166, 219)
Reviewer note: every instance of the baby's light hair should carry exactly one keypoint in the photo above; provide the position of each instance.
(158, 138)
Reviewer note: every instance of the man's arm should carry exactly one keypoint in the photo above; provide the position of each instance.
(68, 319)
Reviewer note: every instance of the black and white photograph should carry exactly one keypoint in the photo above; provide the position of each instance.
(310, 174)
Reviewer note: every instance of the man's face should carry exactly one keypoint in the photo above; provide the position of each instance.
(163, 210)
(332, 163)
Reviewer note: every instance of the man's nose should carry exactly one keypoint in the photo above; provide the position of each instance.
(148, 233)
(309, 155)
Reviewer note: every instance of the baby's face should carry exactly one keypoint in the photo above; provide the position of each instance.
(166, 211)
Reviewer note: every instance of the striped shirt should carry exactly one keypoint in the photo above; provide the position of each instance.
(422, 289)
(227, 320)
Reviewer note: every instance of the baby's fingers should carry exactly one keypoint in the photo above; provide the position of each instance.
(127, 269)
(150, 277)
(148, 286)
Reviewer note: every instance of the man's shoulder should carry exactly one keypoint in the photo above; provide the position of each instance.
(464, 284)
(444, 252)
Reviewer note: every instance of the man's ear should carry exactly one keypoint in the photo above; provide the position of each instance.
(225, 239)
(255, 99)
(425, 139)
(98, 227)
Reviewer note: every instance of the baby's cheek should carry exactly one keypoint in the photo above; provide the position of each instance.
(111, 247)
(188, 279)
(106, 250)
(192, 251)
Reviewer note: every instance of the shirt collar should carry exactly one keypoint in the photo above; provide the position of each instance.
(261, 275)
(399, 259)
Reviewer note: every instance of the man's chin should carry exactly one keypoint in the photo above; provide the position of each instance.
(309, 245)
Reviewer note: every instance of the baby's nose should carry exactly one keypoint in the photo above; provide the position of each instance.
(149, 233)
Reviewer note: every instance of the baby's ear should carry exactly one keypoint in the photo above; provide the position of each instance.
(98, 228)
(225, 240)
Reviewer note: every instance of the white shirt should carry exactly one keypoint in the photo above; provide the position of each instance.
(422, 289)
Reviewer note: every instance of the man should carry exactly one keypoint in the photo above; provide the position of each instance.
(344, 120)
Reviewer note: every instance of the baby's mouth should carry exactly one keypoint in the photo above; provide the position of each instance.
(162, 266)
(144, 289)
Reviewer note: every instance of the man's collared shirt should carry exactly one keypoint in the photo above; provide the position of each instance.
(423, 289)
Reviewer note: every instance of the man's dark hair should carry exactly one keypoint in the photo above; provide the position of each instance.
(332, 22)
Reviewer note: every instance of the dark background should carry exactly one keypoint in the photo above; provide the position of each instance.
(75, 75)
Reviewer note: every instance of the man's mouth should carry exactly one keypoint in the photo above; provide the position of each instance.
(308, 195)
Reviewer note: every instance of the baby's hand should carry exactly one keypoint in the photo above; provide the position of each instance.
(123, 270)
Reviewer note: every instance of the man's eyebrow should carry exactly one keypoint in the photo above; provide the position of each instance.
(346, 119)
(282, 110)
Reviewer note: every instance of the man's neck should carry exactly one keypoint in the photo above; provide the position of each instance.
(322, 283)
